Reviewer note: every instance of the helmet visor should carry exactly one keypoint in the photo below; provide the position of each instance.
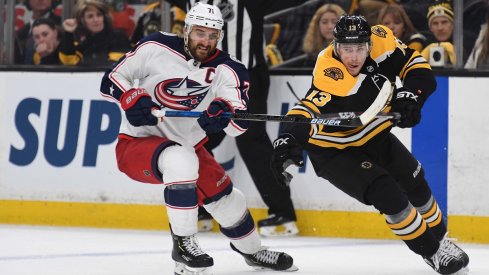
(201, 33)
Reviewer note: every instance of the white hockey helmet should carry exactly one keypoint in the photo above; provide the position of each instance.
(204, 15)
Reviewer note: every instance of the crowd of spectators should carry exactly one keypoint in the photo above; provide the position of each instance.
(426, 26)
(91, 37)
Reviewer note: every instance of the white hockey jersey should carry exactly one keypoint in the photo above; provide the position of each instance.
(160, 65)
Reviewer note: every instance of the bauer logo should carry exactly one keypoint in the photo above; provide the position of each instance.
(60, 130)
(328, 122)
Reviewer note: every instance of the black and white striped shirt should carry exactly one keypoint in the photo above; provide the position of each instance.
(243, 25)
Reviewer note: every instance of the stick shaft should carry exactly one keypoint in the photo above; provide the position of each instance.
(344, 119)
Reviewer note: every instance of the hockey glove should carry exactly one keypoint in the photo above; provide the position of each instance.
(406, 103)
(286, 151)
(138, 105)
(213, 120)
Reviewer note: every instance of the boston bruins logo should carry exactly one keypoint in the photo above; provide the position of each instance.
(334, 73)
(379, 31)
(366, 165)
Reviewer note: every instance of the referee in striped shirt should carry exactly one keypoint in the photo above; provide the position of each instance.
(243, 38)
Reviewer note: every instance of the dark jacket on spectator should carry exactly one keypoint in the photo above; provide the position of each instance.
(51, 59)
(24, 44)
(101, 49)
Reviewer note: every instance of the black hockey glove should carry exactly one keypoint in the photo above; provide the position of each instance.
(138, 105)
(286, 151)
(212, 119)
(406, 103)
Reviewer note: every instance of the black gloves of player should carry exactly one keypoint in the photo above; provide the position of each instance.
(406, 103)
(286, 151)
(138, 105)
(212, 120)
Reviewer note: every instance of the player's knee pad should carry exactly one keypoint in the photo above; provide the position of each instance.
(178, 165)
(386, 196)
(230, 210)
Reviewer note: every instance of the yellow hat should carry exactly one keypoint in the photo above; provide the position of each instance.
(440, 8)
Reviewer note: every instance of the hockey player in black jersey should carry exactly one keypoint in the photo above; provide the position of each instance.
(369, 163)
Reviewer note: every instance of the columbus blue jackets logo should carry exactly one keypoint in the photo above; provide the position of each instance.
(334, 73)
(180, 93)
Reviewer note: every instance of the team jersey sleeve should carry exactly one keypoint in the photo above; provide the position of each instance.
(68, 53)
(122, 76)
(232, 83)
(408, 64)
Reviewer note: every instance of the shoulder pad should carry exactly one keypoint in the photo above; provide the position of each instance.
(330, 75)
(383, 42)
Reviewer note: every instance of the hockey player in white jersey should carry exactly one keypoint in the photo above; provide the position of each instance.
(165, 71)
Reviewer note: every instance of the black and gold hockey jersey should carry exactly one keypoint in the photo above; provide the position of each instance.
(333, 89)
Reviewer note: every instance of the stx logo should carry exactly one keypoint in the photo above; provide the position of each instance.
(328, 122)
(406, 94)
(280, 141)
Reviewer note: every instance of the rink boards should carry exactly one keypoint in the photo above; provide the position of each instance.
(57, 163)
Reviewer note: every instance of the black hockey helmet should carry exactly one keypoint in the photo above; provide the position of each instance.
(352, 29)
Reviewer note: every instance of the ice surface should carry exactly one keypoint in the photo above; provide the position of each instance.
(32, 250)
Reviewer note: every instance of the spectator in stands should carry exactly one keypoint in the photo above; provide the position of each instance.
(415, 9)
(395, 18)
(150, 21)
(89, 38)
(479, 57)
(320, 31)
(24, 43)
(441, 51)
(46, 41)
(294, 23)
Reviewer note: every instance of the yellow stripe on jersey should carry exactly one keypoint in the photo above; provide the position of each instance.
(416, 61)
(435, 222)
(415, 234)
(409, 228)
(305, 108)
(434, 216)
(408, 220)
(300, 112)
(311, 106)
(362, 137)
(70, 59)
(115, 56)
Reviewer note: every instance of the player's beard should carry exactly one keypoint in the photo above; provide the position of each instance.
(199, 53)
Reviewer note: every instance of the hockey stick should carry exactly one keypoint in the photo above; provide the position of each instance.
(343, 119)
(380, 102)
